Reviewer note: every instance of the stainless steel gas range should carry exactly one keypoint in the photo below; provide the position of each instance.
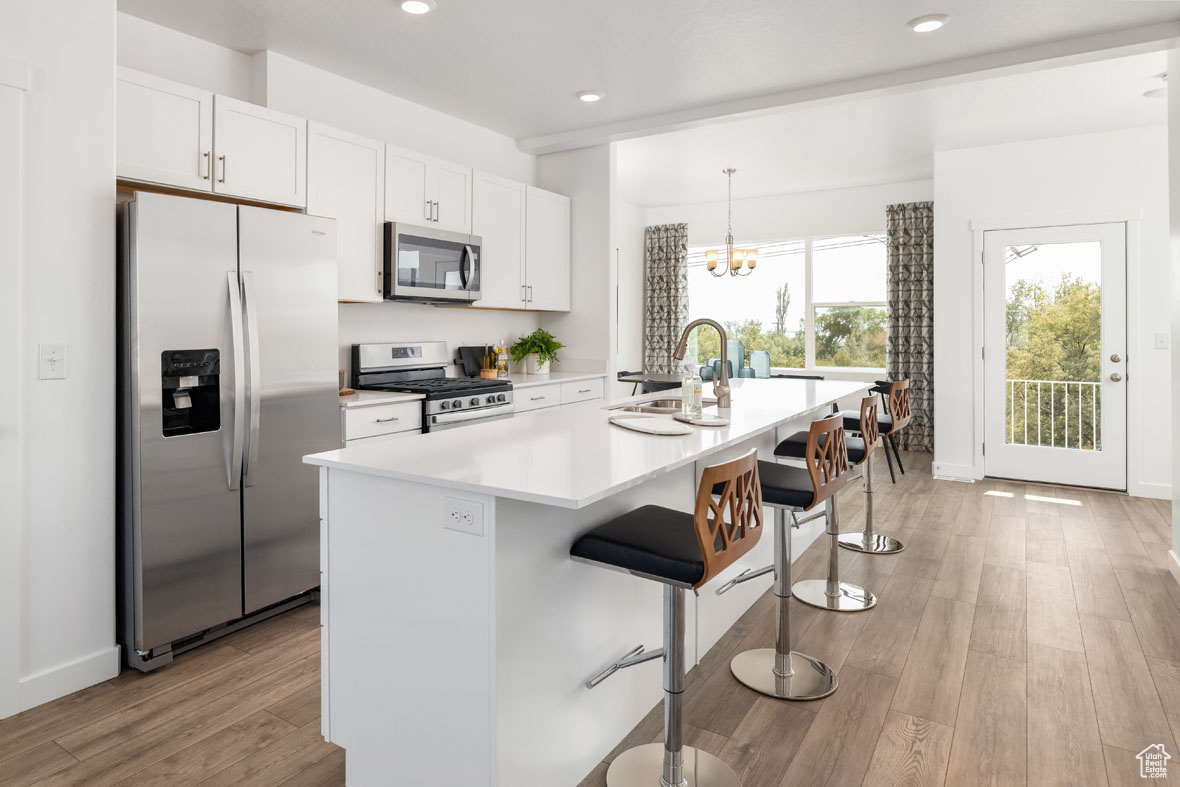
(420, 367)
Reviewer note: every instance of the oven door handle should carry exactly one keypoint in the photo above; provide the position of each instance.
(467, 267)
(444, 419)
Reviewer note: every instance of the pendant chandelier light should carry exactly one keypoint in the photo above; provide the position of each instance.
(738, 262)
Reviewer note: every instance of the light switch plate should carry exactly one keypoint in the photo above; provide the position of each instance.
(1161, 340)
(51, 361)
(465, 516)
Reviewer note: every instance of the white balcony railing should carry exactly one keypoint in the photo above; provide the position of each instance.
(1060, 413)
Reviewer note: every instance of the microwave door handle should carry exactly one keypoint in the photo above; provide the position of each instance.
(239, 352)
(255, 393)
(467, 267)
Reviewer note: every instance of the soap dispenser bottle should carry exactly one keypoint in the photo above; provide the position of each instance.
(690, 393)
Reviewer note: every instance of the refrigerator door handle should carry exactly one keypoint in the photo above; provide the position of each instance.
(239, 350)
(255, 392)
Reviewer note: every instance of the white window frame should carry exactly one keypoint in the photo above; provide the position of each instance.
(810, 305)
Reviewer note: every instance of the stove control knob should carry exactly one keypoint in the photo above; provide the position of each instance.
(446, 405)
(475, 401)
(456, 404)
(500, 398)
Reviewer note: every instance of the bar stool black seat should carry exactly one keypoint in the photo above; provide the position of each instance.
(682, 551)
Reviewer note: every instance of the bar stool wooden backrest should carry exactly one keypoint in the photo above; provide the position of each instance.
(826, 457)
(722, 542)
(870, 430)
(898, 403)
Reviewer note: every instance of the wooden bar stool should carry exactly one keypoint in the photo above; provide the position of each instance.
(779, 671)
(860, 453)
(682, 551)
(897, 416)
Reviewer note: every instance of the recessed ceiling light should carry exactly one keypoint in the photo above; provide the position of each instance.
(928, 23)
(590, 96)
(418, 6)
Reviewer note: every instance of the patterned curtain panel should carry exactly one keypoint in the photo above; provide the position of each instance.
(665, 296)
(910, 351)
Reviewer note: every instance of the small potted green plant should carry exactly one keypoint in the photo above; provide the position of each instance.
(535, 351)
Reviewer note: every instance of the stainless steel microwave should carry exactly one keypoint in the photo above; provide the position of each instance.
(431, 265)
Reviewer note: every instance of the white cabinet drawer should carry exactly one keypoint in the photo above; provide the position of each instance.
(536, 397)
(581, 390)
(382, 419)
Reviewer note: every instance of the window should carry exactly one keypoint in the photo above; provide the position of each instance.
(817, 302)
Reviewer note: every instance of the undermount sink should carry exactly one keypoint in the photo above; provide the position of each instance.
(662, 406)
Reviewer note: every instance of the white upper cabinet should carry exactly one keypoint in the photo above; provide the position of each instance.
(346, 182)
(426, 191)
(547, 250)
(259, 154)
(164, 132)
(497, 217)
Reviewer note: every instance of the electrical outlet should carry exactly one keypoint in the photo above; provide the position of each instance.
(465, 516)
(1161, 340)
(52, 361)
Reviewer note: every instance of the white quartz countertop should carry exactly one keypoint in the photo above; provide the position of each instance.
(529, 380)
(572, 456)
(370, 398)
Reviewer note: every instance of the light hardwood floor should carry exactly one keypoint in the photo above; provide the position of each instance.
(1027, 635)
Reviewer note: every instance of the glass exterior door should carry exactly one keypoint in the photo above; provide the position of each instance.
(1055, 356)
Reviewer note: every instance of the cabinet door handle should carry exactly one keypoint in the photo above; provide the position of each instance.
(583, 390)
(536, 398)
(437, 211)
(530, 293)
(208, 164)
(387, 420)
(429, 210)
(221, 158)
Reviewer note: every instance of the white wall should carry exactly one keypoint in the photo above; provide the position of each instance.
(14, 80)
(67, 295)
(787, 216)
(167, 53)
(588, 330)
(1085, 175)
(1174, 255)
(629, 273)
(279, 82)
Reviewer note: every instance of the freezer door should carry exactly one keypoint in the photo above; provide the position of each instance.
(185, 566)
(288, 267)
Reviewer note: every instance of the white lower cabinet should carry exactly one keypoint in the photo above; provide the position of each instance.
(346, 182)
(382, 420)
(539, 397)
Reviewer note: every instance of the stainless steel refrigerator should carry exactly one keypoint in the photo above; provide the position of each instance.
(228, 376)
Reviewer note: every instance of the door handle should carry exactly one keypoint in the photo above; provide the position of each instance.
(388, 420)
(207, 164)
(429, 210)
(239, 351)
(255, 390)
(221, 158)
(437, 210)
(1116, 377)
(467, 267)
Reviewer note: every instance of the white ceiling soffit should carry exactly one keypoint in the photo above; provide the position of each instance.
(886, 138)
(515, 65)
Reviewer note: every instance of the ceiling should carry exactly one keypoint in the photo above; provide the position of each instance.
(886, 139)
(514, 65)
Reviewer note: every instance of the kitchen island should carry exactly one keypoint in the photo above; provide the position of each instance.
(457, 632)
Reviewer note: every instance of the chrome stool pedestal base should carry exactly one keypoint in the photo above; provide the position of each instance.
(868, 541)
(811, 679)
(847, 598)
(874, 543)
(640, 767)
(779, 671)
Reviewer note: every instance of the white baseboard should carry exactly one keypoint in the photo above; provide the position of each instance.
(945, 472)
(1155, 491)
(1174, 564)
(41, 687)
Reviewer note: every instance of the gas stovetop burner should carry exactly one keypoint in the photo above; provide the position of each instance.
(442, 388)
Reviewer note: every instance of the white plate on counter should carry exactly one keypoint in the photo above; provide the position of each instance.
(650, 424)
